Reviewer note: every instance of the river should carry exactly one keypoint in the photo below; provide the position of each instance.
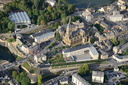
(93, 3)
(5, 54)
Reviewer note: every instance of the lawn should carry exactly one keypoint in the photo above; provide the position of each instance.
(57, 59)
(18, 58)
(31, 69)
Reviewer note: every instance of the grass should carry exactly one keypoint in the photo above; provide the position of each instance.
(31, 69)
(57, 60)
(18, 58)
(11, 40)
(73, 63)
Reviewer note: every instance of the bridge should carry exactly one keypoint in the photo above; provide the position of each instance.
(13, 64)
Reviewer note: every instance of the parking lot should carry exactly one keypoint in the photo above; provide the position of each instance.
(114, 77)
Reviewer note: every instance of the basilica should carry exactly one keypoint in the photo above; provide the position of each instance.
(74, 35)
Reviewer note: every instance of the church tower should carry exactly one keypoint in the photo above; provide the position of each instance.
(68, 29)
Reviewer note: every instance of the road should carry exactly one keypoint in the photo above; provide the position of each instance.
(10, 65)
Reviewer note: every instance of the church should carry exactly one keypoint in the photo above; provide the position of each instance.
(74, 37)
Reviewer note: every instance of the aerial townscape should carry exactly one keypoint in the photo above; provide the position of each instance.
(55, 42)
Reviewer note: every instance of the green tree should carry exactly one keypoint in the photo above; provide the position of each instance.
(49, 8)
(57, 35)
(18, 78)
(92, 40)
(14, 74)
(23, 79)
(83, 70)
(36, 2)
(63, 15)
(42, 22)
(40, 79)
(56, 25)
(115, 41)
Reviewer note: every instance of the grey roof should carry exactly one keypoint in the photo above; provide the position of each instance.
(75, 32)
(91, 47)
(41, 33)
(45, 35)
(104, 24)
(63, 79)
(124, 47)
(83, 81)
(76, 48)
(84, 57)
(98, 73)
(20, 17)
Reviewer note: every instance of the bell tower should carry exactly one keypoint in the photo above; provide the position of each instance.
(68, 29)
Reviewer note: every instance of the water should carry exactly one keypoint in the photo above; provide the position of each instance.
(5, 54)
(85, 3)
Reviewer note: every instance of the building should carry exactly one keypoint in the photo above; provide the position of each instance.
(78, 80)
(72, 38)
(20, 18)
(103, 54)
(27, 45)
(98, 76)
(81, 53)
(115, 17)
(104, 25)
(39, 58)
(120, 58)
(43, 36)
(87, 15)
(115, 49)
(74, 26)
(51, 2)
(64, 80)
(123, 47)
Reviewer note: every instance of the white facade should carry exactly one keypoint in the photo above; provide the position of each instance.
(81, 50)
(51, 2)
(120, 58)
(97, 76)
(77, 80)
(44, 37)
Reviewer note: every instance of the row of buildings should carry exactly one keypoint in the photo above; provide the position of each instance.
(31, 44)
(97, 77)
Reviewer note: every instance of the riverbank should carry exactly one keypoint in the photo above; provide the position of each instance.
(90, 3)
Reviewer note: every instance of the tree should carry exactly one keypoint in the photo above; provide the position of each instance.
(23, 79)
(57, 36)
(56, 25)
(36, 2)
(92, 40)
(49, 8)
(42, 22)
(115, 41)
(14, 74)
(63, 15)
(40, 79)
(83, 69)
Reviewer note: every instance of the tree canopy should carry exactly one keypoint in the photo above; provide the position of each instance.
(40, 79)
(115, 41)
(14, 74)
(83, 70)
(23, 79)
